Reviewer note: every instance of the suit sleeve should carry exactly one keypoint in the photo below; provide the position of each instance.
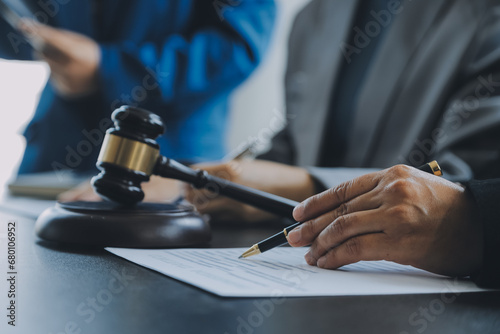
(487, 196)
(225, 41)
(470, 126)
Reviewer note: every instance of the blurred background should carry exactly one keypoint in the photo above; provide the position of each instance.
(254, 103)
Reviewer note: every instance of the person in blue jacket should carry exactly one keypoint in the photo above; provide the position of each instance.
(178, 58)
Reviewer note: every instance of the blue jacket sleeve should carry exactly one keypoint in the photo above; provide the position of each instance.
(223, 43)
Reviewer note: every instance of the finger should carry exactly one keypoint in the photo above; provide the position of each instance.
(214, 206)
(305, 234)
(32, 28)
(58, 65)
(198, 197)
(224, 210)
(161, 190)
(90, 196)
(69, 196)
(79, 194)
(333, 197)
(227, 210)
(207, 202)
(344, 228)
(56, 57)
(368, 247)
(52, 42)
(221, 171)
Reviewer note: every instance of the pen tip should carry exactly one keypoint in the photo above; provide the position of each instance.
(254, 250)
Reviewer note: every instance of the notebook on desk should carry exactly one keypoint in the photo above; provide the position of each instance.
(46, 185)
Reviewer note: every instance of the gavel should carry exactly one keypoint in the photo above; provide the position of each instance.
(130, 155)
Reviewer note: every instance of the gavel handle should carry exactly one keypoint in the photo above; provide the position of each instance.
(281, 206)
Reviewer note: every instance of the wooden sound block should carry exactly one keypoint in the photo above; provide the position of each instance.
(107, 224)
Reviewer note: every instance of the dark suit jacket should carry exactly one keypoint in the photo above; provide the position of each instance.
(487, 196)
(433, 91)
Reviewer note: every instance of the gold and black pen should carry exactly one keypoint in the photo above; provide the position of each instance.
(280, 238)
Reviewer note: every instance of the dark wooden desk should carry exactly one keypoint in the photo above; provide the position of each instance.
(92, 291)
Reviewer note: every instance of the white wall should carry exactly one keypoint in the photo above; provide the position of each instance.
(261, 97)
(20, 86)
(253, 104)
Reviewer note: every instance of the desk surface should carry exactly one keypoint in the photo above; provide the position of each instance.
(92, 291)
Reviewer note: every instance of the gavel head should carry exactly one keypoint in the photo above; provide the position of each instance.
(128, 155)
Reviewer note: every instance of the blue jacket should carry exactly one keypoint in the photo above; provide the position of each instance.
(177, 58)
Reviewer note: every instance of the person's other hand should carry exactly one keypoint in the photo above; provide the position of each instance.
(282, 180)
(400, 214)
(160, 189)
(157, 190)
(82, 192)
(73, 58)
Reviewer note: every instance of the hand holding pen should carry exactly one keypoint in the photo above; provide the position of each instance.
(282, 237)
(399, 214)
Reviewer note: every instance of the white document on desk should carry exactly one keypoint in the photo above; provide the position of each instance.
(283, 272)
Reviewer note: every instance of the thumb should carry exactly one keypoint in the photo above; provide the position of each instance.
(33, 29)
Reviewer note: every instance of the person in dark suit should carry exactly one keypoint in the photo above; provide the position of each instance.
(423, 85)
(373, 84)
